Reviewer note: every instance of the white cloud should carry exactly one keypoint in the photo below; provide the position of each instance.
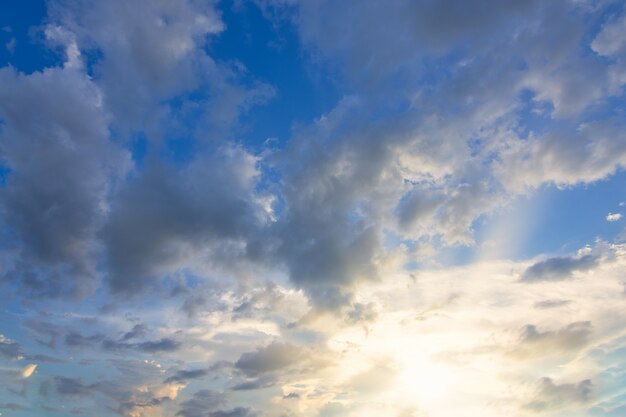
(613, 217)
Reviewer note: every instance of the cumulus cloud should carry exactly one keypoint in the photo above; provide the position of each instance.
(148, 53)
(613, 217)
(583, 154)
(55, 200)
(170, 218)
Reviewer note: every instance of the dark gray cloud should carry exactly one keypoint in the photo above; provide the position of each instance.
(559, 268)
(55, 200)
(200, 404)
(273, 357)
(75, 339)
(165, 344)
(161, 345)
(138, 330)
(235, 412)
(552, 396)
(73, 386)
(171, 218)
(323, 235)
(186, 375)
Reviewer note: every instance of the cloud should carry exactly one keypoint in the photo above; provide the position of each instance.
(273, 357)
(235, 412)
(379, 42)
(552, 396)
(75, 339)
(534, 342)
(548, 304)
(162, 345)
(559, 268)
(72, 386)
(362, 313)
(138, 330)
(55, 201)
(200, 403)
(165, 344)
(186, 375)
(372, 381)
(173, 218)
(254, 384)
(29, 370)
(613, 217)
(10, 349)
(609, 43)
(149, 51)
(133, 175)
(565, 156)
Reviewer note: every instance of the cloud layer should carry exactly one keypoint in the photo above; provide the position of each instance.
(163, 254)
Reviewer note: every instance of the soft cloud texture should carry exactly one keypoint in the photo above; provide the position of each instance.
(286, 208)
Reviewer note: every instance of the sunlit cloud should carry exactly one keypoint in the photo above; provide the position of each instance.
(29, 370)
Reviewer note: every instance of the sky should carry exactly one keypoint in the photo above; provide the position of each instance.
(312, 208)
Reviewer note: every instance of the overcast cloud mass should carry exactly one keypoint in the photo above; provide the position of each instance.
(316, 208)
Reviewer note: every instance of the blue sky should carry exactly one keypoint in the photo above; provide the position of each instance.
(276, 208)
